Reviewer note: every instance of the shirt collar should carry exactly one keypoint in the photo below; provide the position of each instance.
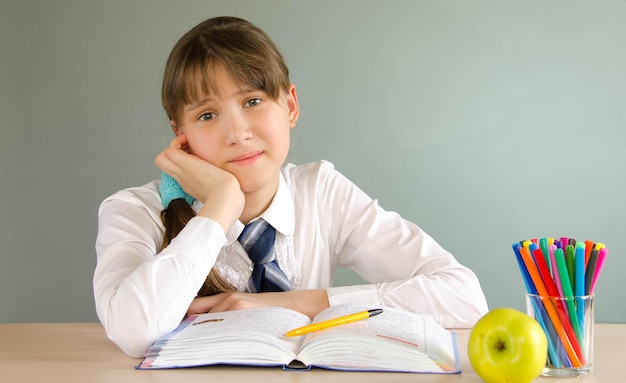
(280, 214)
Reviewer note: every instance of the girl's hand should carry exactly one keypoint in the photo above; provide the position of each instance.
(308, 302)
(218, 189)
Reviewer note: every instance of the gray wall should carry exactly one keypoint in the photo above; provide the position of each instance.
(485, 122)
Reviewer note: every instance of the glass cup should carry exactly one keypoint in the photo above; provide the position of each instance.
(568, 323)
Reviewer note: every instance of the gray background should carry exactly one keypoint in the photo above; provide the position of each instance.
(485, 122)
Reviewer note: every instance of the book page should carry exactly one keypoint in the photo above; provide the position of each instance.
(248, 336)
(392, 341)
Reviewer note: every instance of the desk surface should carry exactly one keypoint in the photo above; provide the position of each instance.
(80, 352)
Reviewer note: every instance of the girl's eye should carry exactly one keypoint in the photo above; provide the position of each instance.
(207, 116)
(253, 102)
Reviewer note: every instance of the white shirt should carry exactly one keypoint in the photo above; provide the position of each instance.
(322, 220)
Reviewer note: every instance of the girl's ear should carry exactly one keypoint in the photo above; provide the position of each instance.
(176, 130)
(292, 105)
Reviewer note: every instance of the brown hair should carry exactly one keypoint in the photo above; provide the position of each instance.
(175, 217)
(243, 50)
(250, 57)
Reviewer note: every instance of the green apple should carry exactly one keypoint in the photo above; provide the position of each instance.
(506, 345)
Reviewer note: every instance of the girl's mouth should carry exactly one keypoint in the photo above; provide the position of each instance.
(247, 158)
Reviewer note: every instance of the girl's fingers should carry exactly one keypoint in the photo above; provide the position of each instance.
(169, 160)
(202, 304)
(179, 142)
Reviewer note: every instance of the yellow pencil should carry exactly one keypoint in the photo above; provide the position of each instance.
(334, 322)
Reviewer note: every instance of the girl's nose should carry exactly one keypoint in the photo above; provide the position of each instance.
(237, 130)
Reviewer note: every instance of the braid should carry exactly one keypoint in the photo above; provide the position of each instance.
(175, 217)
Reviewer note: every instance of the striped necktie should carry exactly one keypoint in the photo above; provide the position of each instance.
(257, 238)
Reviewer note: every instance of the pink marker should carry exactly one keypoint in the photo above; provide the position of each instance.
(555, 273)
(601, 258)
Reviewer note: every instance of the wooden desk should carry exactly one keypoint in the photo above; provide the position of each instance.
(80, 352)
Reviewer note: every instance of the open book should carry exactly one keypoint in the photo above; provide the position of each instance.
(395, 340)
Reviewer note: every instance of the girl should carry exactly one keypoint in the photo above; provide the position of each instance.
(179, 246)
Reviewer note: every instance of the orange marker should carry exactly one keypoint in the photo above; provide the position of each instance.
(588, 247)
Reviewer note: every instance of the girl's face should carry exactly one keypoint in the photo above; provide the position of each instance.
(242, 131)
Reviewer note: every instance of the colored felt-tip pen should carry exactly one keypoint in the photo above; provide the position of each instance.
(334, 322)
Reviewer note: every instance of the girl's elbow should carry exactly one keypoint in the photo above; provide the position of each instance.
(476, 306)
(132, 336)
(133, 342)
(471, 304)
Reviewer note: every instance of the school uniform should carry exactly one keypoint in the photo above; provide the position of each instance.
(322, 220)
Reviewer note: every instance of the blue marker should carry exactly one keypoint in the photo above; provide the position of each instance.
(579, 286)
